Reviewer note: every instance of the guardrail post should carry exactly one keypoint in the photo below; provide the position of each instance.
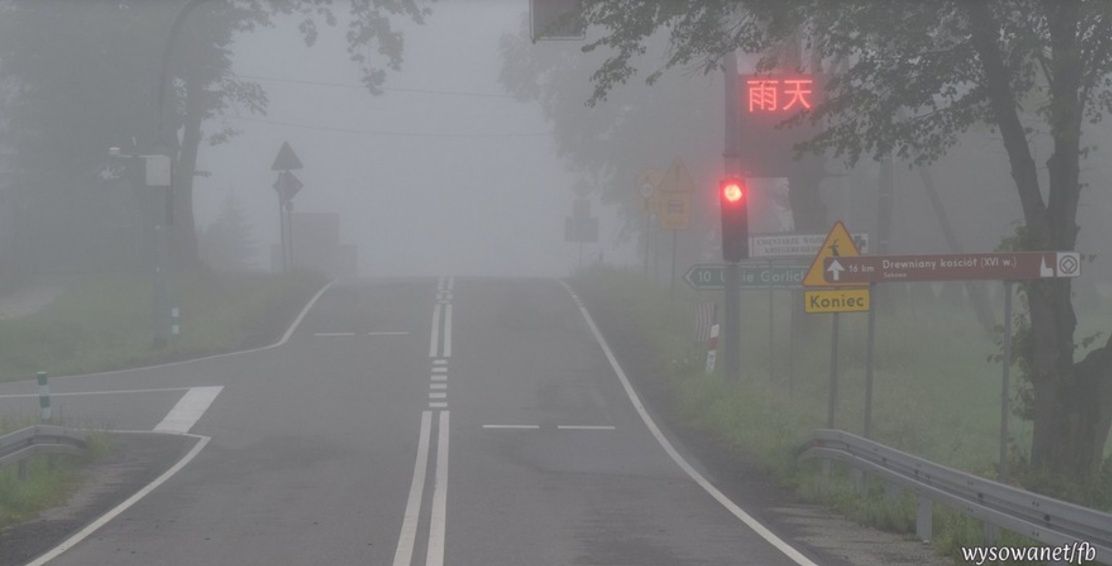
(44, 397)
(891, 490)
(924, 519)
(824, 480)
(858, 479)
(992, 534)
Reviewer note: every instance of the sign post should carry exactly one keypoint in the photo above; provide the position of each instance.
(870, 339)
(674, 207)
(287, 186)
(1005, 385)
(837, 245)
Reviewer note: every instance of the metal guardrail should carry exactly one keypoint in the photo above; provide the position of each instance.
(17, 446)
(1044, 519)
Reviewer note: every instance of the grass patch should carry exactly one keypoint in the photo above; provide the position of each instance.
(49, 482)
(104, 322)
(935, 393)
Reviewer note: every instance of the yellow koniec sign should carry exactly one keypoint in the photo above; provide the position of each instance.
(836, 300)
(843, 297)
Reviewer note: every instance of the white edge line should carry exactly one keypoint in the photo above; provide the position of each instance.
(389, 333)
(403, 554)
(438, 386)
(285, 338)
(512, 426)
(106, 392)
(439, 377)
(788, 550)
(585, 427)
(125, 504)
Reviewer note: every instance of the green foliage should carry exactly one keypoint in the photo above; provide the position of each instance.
(47, 483)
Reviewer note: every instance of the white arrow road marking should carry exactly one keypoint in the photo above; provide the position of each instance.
(188, 410)
(835, 270)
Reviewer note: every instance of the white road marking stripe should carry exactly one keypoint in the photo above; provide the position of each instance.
(438, 520)
(439, 362)
(448, 331)
(512, 426)
(438, 386)
(188, 410)
(434, 340)
(124, 505)
(438, 405)
(438, 395)
(440, 370)
(106, 392)
(439, 377)
(333, 334)
(389, 333)
(403, 555)
(585, 427)
(788, 550)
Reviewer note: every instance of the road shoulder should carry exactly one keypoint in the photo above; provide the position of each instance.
(826, 536)
(134, 462)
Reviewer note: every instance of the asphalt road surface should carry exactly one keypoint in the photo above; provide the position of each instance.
(456, 421)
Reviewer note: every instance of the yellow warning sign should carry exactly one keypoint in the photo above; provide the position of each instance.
(838, 243)
(676, 179)
(836, 300)
(674, 210)
(673, 197)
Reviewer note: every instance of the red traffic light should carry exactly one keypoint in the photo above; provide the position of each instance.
(732, 190)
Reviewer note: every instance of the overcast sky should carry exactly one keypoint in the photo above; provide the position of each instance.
(491, 203)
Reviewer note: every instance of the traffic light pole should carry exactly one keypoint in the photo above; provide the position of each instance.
(731, 339)
(731, 343)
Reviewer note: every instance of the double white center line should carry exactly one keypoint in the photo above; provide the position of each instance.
(434, 554)
(440, 349)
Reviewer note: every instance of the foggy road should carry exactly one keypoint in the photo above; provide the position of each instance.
(431, 421)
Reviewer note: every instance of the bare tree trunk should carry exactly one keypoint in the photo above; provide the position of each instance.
(1070, 401)
(185, 230)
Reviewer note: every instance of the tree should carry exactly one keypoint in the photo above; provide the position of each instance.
(227, 244)
(73, 98)
(918, 75)
(610, 144)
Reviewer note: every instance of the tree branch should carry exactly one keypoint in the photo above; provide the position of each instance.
(1003, 103)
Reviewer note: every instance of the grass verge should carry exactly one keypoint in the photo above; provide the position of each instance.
(104, 322)
(49, 481)
(935, 392)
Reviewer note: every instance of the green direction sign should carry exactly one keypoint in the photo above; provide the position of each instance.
(713, 276)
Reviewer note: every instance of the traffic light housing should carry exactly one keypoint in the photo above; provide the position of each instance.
(733, 199)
